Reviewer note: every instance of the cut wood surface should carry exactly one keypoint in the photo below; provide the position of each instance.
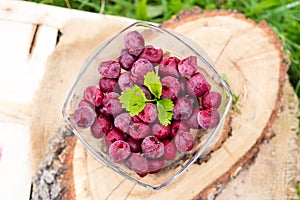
(248, 53)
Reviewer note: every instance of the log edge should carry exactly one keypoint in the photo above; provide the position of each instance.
(188, 15)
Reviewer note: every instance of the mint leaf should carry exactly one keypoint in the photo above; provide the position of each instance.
(133, 100)
(164, 107)
(151, 80)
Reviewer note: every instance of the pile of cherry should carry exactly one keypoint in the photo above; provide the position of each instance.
(141, 142)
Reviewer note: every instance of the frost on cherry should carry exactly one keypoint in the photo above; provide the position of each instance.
(146, 104)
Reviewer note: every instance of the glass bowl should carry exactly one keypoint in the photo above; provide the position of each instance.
(172, 44)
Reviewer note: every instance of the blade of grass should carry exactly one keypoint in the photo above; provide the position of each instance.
(141, 10)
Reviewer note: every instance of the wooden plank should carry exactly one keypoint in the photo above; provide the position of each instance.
(24, 51)
(15, 165)
(53, 16)
(15, 43)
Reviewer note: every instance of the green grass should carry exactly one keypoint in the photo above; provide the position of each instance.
(283, 16)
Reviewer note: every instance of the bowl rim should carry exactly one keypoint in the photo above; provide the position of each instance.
(86, 65)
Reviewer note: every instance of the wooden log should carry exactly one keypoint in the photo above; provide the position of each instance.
(248, 53)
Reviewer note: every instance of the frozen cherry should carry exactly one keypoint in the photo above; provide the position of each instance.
(111, 104)
(134, 42)
(170, 87)
(155, 165)
(192, 121)
(168, 67)
(152, 147)
(138, 164)
(125, 81)
(135, 145)
(139, 130)
(182, 108)
(109, 69)
(183, 84)
(93, 95)
(211, 100)
(84, 102)
(112, 136)
(178, 126)
(208, 118)
(146, 92)
(170, 150)
(140, 68)
(126, 60)
(84, 116)
(136, 119)
(119, 151)
(108, 84)
(197, 85)
(161, 131)
(188, 66)
(184, 141)
(122, 122)
(100, 127)
(148, 114)
(152, 54)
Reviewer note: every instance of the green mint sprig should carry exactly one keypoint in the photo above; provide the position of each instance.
(134, 100)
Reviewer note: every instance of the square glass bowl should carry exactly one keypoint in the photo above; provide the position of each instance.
(172, 44)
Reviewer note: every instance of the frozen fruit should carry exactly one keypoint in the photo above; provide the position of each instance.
(134, 42)
(170, 150)
(111, 104)
(126, 60)
(108, 84)
(152, 147)
(119, 151)
(155, 165)
(122, 122)
(208, 118)
(112, 136)
(135, 145)
(125, 81)
(148, 114)
(148, 133)
(188, 66)
(170, 87)
(168, 67)
(192, 121)
(138, 164)
(84, 102)
(152, 54)
(139, 130)
(183, 84)
(211, 100)
(184, 141)
(182, 108)
(84, 116)
(109, 69)
(178, 126)
(197, 85)
(100, 127)
(135, 118)
(146, 92)
(93, 95)
(140, 68)
(161, 131)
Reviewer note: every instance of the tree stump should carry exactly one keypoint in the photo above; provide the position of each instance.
(248, 53)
